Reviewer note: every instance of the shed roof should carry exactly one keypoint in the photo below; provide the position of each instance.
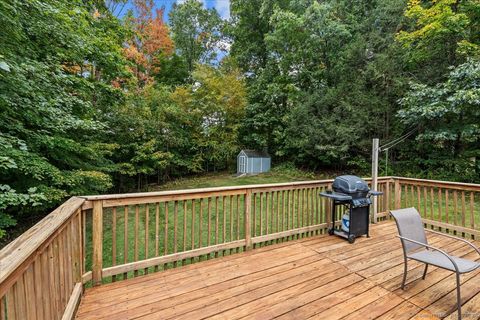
(256, 154)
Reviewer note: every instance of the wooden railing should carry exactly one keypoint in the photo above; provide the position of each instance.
(449, 206)
(41, 271)
(96, 239)
(133, 234)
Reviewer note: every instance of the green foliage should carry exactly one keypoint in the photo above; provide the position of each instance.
(196, 31)
(57, 64)
(447, 114)
(442, 30)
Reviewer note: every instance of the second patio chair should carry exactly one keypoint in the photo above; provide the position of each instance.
(416, 247)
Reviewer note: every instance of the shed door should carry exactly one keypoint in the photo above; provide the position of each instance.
(243, 164)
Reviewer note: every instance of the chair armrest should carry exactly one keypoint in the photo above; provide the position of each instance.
(456, 238)
(433, 248)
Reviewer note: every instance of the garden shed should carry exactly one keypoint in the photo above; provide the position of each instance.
(252, 161)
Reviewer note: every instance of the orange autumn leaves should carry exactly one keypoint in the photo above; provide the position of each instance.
(150, 40)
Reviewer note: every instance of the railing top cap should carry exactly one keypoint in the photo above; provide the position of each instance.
(213, 189)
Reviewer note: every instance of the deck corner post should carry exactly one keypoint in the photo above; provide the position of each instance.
(248, 227)
(97, 242)
(397, 191)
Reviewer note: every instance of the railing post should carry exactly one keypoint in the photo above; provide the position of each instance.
(97, 226)
(375, 177)
(398, 194)
(248, 227)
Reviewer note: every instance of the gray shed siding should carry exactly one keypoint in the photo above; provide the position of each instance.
(247, 164)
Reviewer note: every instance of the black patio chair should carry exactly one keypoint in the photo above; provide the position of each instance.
(416, 247)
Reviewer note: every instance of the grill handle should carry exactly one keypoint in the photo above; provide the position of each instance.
(375, 193)
(336, 196)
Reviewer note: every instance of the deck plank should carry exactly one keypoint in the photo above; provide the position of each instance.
(319, 277)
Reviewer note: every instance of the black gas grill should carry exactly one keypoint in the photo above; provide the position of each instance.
(353, 194)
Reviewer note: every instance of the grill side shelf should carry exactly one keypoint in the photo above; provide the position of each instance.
(336, 196)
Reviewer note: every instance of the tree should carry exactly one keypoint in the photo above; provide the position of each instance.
(443, 33)
(150, 40)
(56, 71)
(214, 108)
(197, 32)
(448, 118)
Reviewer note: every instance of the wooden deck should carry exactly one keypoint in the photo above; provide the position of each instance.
(320, 277)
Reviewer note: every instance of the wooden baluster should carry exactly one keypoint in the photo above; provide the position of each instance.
(125, 238)
(412, 196)
(192, 235)
(200, 223)
(10, 307)
(292, 209)
(46, 283)
(440, 201)
(432, 215)
(209, 227)
(135, 245)
(97, 243)
(247, 226)
(418, 200)
(66, 263)
(455, 207)
(184, 261)
(224, 228)
(147, 209)
(238, 217)
(307, 207)
(175, 227)
(165, 233)
(31, 307)
(267, 209)
(114, 240)
(84, 240)
(41, 294)
(298, 203)
(446, 206)
(231, 237)
(472, 210)
(277, 212)
(463, 209)
(237, 199)
(283, 211)
(254, 214)
(386, 197)
(157, 223)
(3, 312)
(302, 211)
(216, 224)
(425, 202)
(261, 213)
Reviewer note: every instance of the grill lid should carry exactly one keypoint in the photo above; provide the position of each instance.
(350, 184)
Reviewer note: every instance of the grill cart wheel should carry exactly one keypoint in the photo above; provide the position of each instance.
(330, 231)
(351, 238)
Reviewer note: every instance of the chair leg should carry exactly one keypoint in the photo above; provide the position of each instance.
(459, 300)
(404, 274)
(425, 271)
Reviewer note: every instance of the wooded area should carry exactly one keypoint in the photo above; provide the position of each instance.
(93, 99)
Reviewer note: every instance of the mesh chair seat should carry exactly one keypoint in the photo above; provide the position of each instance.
(438, 259)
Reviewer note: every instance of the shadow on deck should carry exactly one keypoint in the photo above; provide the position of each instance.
(320, 277)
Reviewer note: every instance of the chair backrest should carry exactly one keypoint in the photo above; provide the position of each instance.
(410, 225)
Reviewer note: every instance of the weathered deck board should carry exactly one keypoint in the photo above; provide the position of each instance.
(320, 277)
